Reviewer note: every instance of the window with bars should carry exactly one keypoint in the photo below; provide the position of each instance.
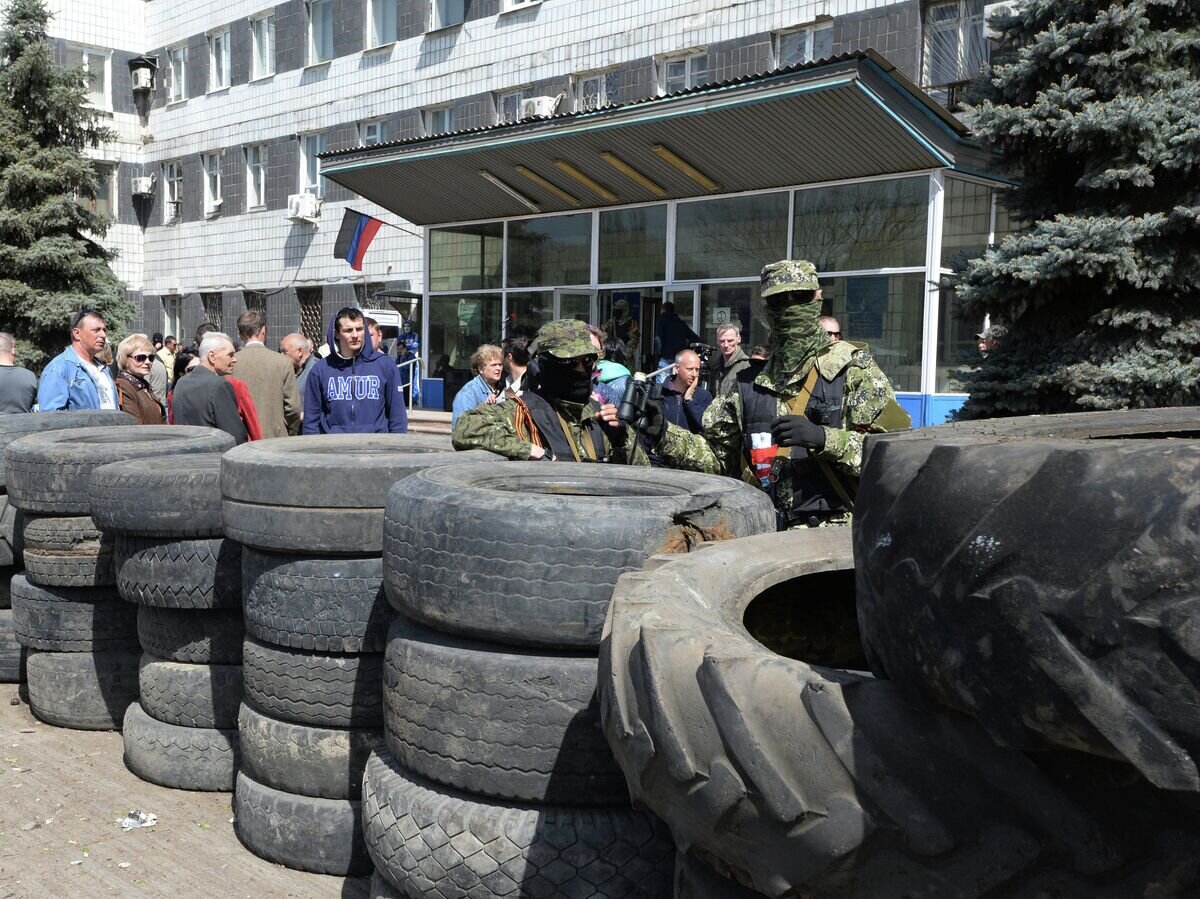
(954, 47)
(803, 45)
(176, 74)
(218, 60)
(255, 299)
(677, 73)
(596, 89)
(312, 319)
(212, 309)
(262, 50)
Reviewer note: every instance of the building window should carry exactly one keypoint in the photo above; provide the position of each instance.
(104, 203)
(449, 12)
(172, 314)
(312, 319)
(677, 73)
(510, 5)
(381, 22)
(597, 89)
(218, 60)
(311, 145)
(320, 31)
(176, 74)
(256, 176)
(439, 121)
(370, 133)
(955, 48)
(255, 299)
(803, 45)
(868, 225)
(212, 183)
(262, 47)
(508, 107)
(95, 65)
(173, 195)
(212, 308)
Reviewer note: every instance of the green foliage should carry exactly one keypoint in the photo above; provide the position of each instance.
(1095, 109)
(50, 262)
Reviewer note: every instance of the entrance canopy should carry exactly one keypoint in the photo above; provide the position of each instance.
(852, 116)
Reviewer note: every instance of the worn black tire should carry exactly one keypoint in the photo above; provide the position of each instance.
(279, 495)
(327, 605)
(14, 425)
(381, 889)
(433, 841)
(513, 724)
(71, 619)
(82, 690)
(49, 472)
(313, 688)
(10, 554)
(183, 758)
(197, 636)
(171, 496)
(6, 575)
(301, 832)
(324, 762)
(458, 558)
(67, 552)
(179, 573)
(695, 880)
(1049, 594)
(887, 797)
(12, 653)
(190, 695)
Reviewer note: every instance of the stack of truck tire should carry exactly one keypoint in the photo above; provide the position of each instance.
(1024, 595)
(174, 565)
(309, 513)
(82, 638)
(12, 427)
(495, 779)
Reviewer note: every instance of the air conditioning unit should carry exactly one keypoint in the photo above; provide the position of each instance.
(143, 186)
(539, 107)
(988, 10)
(304, 207)
(143, 79)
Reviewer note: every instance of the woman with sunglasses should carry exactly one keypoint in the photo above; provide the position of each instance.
(135, 356)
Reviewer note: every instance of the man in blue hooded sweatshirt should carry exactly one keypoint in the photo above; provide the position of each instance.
(355, 390)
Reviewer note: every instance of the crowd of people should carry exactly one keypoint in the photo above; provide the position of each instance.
(354, 389)
(790, 418)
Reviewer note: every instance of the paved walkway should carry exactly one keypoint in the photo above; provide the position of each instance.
(61, 794)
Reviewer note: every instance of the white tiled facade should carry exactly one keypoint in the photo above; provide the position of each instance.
(535, 48)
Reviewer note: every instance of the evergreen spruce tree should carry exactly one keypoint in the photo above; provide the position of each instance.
(50, 262)
(1094, 108)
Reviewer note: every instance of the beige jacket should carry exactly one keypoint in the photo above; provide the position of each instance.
(272, 383)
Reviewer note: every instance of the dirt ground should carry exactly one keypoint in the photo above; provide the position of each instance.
(62, 793)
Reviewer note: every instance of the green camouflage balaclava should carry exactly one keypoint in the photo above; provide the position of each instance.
(796, 333)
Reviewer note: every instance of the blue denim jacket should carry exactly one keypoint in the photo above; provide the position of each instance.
(66, 384)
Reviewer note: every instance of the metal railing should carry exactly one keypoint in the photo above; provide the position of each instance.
(414, 387)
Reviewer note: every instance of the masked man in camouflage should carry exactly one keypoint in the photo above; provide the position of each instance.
(815, 399)
(556, 419)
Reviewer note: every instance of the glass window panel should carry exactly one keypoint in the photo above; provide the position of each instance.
(449, 12)
(529, 311)
(320, 30)
(633, 245)
(263, 37)
(731, 237)
(383, 22)
(887, 312)
(178, 86)
(735, 303)
(957, 346)
(966, 220)
(547, 251)
(466, 257)
(793, 48)
(458, 325)
(876, 224)
(822, 42)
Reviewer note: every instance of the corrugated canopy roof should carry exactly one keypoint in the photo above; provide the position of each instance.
(848, 117)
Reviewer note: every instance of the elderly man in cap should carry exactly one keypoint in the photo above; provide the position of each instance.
(555, 418)
(793, 424)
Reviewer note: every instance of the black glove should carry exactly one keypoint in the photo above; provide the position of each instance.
(797, 430)
(653, 424)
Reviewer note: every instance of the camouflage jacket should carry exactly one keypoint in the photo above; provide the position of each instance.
(493, 427)
(719, 450)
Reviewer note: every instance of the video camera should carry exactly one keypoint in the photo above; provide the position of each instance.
(707, 372)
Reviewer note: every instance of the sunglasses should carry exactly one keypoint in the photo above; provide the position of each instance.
(141, 357)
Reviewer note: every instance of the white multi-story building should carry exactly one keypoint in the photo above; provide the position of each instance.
(503, 140)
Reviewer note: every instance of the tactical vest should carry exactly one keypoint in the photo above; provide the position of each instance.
(811, 490)
(621, 330)
(550, 427)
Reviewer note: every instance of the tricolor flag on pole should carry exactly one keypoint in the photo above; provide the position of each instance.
(355, 235)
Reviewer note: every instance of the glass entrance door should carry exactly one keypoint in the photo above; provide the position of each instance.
(630, 314)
